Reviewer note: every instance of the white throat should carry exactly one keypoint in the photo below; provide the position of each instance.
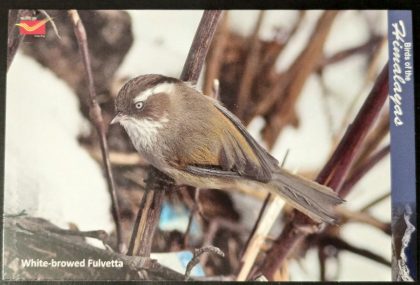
(143, 132)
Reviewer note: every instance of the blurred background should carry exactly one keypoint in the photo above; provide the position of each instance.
(296, 78)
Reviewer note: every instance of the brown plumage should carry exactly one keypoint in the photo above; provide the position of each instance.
(197, 141)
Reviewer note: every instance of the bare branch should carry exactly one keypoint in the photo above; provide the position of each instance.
(196, 257)
(149, 213)
(339, 164)
(98, 234)
(361, 171)
(194, 210)
(363, 217)
(376, 201)
(343, 245)
(200, 45)
(260, 215)
(51, 20)
(367, 47)
(251, 67)
(215, 55)
(97, 119)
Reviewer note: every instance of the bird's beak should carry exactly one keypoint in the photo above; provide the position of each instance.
(116, 119)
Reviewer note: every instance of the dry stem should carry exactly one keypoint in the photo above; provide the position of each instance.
(359, 172)
(97, 119)
(251, 68)
(214, 58)
(196, 257)
(200, 45)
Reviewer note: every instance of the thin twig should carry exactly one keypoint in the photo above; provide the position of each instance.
(250, 69)
(376, 201)
(322, 258)
(191, 217)
(257, 222)
(332, 174)
(98, 234)
(262, 210)
(343, 245)
(365, 218)
(51, 20)
(137, 222)
(215, 56)
(97, 119)
(149, 213)
(215, 225)
(200, 45)
(196, 257)
(369, 46)
(257, 240)
(260, 231)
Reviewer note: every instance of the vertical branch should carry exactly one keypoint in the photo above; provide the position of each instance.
(374, 138)
(340, 162)
(251, 67)
(194, 211)
(200, 45)
(281, 99)
(215, 56)
(157, 182)
(260, 231)
(97, 119)
(134, 244)
(150, 213)
(322, 258)
(361, 170)
(332, 174)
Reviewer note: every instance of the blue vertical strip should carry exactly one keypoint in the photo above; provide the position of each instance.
(403, 172)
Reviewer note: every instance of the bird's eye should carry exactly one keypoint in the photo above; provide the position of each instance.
(139, 105)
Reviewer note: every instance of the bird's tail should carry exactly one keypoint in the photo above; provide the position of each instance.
(315, 200)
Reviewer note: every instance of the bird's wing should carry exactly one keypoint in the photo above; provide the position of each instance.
(237, 153)
(266, 159)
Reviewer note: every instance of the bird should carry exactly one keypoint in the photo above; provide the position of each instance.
(196, 141)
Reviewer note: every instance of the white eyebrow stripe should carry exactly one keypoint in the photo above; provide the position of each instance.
(160, 88)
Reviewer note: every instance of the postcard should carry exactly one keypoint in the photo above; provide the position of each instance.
(209, 145)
